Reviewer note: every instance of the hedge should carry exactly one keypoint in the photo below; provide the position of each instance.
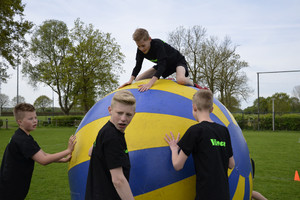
(289, 122)
(66, 120)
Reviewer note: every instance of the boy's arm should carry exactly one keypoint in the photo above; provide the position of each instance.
(178, 160)
(147, 86)
(121, 184)
(65, 159)
(231, 163)
(91, 151)
(44, 158)
(128, 82)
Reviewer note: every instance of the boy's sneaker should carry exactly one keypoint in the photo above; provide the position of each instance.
(197, 86)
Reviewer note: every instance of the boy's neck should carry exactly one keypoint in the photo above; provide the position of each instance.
(203, 116)
(27, 132)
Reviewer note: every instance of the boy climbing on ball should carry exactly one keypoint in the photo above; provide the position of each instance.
(21, 153)
(168, 60)
(210, 145)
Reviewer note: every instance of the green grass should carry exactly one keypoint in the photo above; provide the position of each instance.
(276, 156)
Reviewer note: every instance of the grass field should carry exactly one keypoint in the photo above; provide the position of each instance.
(276, 156)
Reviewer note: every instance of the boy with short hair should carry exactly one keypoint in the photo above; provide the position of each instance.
(108, 176)
(168, 60)
(210, 145)
(21, 152)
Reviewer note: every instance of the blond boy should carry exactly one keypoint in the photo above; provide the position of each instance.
(108, 176)
(167, 59)
(210, 145)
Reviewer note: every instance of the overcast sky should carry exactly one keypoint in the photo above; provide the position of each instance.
(267, 33)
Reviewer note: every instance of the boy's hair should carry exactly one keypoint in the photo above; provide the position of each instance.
(140, 34)
(124, 97)
(203, 99)
(21, 108)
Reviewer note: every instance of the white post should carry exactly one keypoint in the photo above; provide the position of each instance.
(17, 84)
(273, 115)
(0, 93)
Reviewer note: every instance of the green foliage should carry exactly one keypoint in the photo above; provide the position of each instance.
(66, 120)
(96, 59)
(49, 48)
(42, 102)
(13, 28)
(289, 122)
(79, 65)
(1, 123)
(283, 103)
(3, 72)
(4, 100)
(296, 92)
(232, 103)
(17, 99)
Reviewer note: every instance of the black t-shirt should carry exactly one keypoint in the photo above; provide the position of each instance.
(162, 54)
(109, 152)
(211, 149)
(17, 166)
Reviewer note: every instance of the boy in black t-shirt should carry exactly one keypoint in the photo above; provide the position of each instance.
(21, 152)
(168, 61)
(108, 176)
(210, 145)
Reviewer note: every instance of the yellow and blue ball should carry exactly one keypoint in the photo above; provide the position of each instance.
(166, 107)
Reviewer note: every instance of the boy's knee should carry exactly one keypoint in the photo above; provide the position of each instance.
(181, 81)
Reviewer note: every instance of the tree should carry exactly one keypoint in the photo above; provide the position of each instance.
(13, 28)
(96, 59)
(283, 103)
(4, 101)
(79, 65)
(295, 104)
(3, 73)
(231, 81)
(16, 100)
(190, 43)
(263, 105)
(296, 91)
(42, 102)
(49, 48)
(213, 63)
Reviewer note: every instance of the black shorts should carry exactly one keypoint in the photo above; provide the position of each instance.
(172, 69)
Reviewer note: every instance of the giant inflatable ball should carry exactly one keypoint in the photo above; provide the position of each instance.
(166, 107)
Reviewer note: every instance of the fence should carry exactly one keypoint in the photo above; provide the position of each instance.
(49, 122)
(289, 122)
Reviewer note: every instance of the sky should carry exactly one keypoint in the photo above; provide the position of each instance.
(266, 33)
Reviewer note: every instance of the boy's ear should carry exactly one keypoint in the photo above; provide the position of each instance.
(109, 109)
(211, 110)
(194, 108)
(19, 121)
